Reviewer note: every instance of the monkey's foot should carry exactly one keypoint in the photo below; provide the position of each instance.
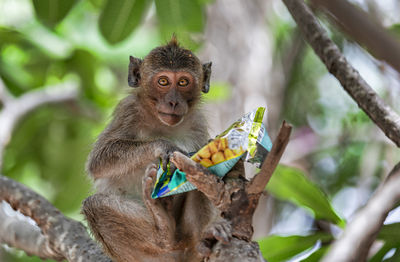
(218, 231)
(148, 181)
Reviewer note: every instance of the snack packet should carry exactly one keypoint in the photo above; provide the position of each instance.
(246, 138)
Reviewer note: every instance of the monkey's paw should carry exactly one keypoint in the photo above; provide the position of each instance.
(218, 231)
(165, 152)
(148, 181)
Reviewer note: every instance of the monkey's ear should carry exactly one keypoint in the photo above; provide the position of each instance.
(206, 77)
(134, 71)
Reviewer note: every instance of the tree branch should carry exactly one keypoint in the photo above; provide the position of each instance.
(359, 235)
(236, 198)
(379, 112)
(62, 237)
(24, 235)
(260, 181)
(15, 109)
(359, 26)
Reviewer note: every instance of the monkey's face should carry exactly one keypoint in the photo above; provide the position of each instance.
(171, 80)
(173, 93)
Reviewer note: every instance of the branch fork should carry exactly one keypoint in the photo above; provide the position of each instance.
(236, 199)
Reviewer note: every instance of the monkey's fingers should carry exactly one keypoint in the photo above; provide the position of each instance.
(166, 160)
(164, 157)
(148, 181)
(221, 231)
(151, 171)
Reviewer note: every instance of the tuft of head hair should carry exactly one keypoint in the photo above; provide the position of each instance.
(172, 56)
(174, 41)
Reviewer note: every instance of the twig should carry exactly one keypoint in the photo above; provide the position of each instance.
(362, 29)
(359, 235)
(379, 112)
(65, 237)
(260, 181)
(16, 108)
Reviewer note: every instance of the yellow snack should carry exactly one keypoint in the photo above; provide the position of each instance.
(204, 153)
(213, 147)
(218, 157)
(223, 144)
(196, 158)
(206, 162)
(228, 153)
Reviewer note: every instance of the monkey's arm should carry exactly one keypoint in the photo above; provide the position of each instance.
(117, 157)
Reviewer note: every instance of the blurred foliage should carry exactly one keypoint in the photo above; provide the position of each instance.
(292, 185)
(395, 30)
(47, 42)
(51, 12)
(119, 18)
(279, 248)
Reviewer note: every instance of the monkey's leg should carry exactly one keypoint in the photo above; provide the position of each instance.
(125, 228)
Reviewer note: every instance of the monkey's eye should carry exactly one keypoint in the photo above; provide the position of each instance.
(183, 82)
(163, 81)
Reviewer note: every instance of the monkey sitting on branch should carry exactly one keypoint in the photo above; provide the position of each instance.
(162, 119)
(161, 116)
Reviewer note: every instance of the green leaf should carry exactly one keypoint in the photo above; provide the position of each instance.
(317, 255)
(390, 233)
(120, 17)
(378, 257)
(97, 3)
(206, 1)
(51, 12)
(291, 184)
(279, 248)
(395, 30)
(181, 17)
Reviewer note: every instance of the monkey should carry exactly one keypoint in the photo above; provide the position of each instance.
(161, 115)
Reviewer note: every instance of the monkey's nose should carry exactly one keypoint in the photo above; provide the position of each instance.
(173, 104)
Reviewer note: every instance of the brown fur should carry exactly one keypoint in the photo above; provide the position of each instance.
(122, 216)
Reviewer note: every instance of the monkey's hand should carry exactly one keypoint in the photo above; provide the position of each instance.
(164, 223)
(220, 230)
(165, 151)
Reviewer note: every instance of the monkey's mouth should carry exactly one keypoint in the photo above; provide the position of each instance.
(170, 119)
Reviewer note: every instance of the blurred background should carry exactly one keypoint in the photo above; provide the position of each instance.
(336, 156)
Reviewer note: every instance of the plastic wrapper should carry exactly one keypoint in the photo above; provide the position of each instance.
(246, 138)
